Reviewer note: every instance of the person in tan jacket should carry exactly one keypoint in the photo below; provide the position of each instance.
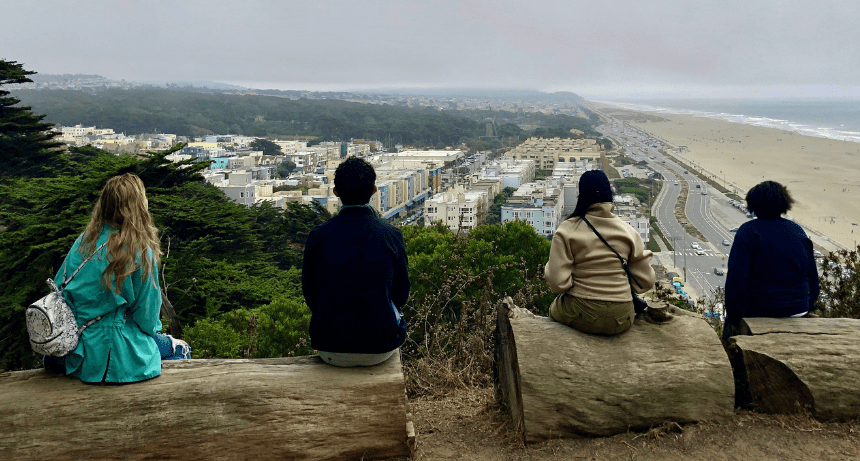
(594, 290)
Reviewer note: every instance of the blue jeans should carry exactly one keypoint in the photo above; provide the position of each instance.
(165, 347)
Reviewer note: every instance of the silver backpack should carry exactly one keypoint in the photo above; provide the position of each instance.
(51, 321)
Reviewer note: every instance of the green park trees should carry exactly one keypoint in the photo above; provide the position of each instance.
(268, 147)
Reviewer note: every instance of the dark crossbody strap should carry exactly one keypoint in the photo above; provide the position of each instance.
(67, 280)
(623, 262)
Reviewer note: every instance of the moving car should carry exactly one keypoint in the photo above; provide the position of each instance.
(718, 271)
(726, 242)
(694, 245)
(700, 252)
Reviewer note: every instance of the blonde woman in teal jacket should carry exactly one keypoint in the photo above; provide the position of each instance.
(120, 284)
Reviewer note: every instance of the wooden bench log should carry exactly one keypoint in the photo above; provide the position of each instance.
(788, 365)
(283, 408)
(558, 382)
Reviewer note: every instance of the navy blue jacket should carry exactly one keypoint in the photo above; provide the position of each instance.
(354, 269)
(772, 271)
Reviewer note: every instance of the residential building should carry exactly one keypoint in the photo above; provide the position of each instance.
(512, 173)
(548, 152)
(458, 209)
(539, 203)
(237, 186)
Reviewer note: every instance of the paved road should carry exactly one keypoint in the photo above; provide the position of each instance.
(701, 281)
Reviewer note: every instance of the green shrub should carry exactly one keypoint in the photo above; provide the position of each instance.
(278, 329)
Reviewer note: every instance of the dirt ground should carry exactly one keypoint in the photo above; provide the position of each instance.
(469, 425)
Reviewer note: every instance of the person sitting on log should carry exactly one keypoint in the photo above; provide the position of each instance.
(593, 287)
(119, 285)
(355, 276)
(772, 271)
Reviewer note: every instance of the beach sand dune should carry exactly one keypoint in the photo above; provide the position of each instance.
(822, 174)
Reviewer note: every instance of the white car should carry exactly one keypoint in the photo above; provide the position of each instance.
(700, 252)
(694, 245)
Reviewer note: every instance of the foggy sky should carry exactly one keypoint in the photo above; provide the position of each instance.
(602, 49)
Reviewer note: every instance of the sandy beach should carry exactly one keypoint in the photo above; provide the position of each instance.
(823, 175)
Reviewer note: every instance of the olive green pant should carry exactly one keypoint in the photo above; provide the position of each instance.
(592, 316)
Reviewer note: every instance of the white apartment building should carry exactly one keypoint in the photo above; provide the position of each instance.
(511, 173)
(540, 204)
(290, 147)
(238, 186)
(457, 209)
(438, 158)
(639, 223)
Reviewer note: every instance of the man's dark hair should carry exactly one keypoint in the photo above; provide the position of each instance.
(354, 180)
(769, 200)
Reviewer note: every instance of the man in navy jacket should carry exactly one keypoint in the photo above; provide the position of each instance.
(355, 276)
(772, 271)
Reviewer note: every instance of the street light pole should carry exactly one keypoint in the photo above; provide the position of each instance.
(685, 256)
(675, 250)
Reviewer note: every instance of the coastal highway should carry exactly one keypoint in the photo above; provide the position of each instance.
(698, 270)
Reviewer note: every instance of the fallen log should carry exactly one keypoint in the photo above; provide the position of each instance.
(789, 365)
(558, 382)
(284, 408)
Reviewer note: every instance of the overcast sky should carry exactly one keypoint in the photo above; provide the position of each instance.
(596, 48)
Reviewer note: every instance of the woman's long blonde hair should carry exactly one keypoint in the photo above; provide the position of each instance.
(122, 205)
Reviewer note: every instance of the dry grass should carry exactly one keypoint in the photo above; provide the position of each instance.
(468, 424)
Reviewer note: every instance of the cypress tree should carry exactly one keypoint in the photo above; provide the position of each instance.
(26, 145)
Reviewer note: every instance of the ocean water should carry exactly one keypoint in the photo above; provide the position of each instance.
(834, 119)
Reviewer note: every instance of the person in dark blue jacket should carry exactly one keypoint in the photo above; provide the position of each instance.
(355, 276)
(772, 270)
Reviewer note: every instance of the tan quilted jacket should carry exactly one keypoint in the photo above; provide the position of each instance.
(581, 265)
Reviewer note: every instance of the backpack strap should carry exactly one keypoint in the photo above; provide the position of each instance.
(623, 263)
(67, 280)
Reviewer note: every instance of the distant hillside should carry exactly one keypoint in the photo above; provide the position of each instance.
(502, 95)
(194, 113)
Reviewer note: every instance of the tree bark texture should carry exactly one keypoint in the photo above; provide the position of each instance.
(285, 408)
(571, 384)
(795, 365)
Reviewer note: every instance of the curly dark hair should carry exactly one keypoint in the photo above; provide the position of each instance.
(769, 200)
(354, 180)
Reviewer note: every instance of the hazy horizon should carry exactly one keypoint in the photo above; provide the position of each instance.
(612, 50)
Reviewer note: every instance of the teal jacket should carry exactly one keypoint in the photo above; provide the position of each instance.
(119, 348)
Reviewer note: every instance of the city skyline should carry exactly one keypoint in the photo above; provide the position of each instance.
(620, 49)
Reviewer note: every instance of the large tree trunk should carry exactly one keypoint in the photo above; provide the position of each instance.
(559, 382)
(286, 408)
(788, 365)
